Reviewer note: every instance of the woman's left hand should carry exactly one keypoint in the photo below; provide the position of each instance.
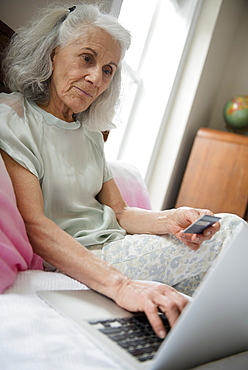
(184, 216)
(141, 221)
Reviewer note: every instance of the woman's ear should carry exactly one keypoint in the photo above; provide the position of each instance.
(53, 53)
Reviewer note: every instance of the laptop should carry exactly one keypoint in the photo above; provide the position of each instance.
(212, 326)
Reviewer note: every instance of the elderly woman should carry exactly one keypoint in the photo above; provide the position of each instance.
(64, 70)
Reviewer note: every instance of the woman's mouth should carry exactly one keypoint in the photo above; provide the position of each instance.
(84, 92)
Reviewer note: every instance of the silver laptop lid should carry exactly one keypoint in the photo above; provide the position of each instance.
(215, 325)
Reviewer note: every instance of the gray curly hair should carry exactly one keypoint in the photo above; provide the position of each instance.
(27, 65)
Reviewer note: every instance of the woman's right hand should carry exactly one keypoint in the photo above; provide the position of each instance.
(151, 298)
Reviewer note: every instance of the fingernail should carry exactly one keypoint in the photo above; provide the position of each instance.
(162, 334)
(207, 233)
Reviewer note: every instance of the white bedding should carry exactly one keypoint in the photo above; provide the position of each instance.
(34, 336)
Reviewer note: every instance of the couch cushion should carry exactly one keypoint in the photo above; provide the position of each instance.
(16, 253)
(131, 184)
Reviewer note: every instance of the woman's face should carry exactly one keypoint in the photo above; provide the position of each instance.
(81, 72)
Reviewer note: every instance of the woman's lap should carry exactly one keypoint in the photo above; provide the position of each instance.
(165, 258)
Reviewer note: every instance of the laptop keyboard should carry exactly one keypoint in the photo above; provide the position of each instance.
(134, 334)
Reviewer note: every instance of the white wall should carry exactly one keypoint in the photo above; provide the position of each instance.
(15, 13)
(233, 29)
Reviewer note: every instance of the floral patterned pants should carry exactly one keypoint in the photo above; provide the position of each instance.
(165, 258)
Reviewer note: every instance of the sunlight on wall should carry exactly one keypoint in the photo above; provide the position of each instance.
(159, 33)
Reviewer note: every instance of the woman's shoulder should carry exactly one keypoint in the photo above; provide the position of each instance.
(95, 137)
(13, 100)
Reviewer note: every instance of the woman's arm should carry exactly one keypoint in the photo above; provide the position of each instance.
(65, 253)
(50, 241)
(140, 221)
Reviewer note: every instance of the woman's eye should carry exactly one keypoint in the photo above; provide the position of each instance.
(87, 58)
(108, 71)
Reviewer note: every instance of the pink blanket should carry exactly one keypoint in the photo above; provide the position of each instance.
(16, 253)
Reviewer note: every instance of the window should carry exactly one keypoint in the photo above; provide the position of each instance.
(159, 34)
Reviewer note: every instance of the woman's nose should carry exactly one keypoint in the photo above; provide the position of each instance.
(95, 76)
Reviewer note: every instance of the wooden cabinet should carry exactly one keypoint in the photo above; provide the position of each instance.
(216, 176)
